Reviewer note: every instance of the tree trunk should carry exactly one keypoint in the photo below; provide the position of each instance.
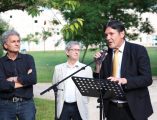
(84, 54)
(44, 45)
(28, 46)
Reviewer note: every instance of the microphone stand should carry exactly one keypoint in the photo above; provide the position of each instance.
(100, 99)
(55, 89)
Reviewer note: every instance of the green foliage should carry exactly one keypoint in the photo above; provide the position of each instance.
(3, 26)
(146, 28)
(34, 6)
(31, 38)
(93, 14)
(96, 13)
(70, 4)
(57, 43)
(34, 11)
(17, 4)
(45, 34)
(1, 50)
(72, 28)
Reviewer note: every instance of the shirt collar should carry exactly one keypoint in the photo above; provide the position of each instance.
(121, 49)
(19, 56)
(77, 64)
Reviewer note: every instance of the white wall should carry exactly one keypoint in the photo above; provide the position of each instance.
(25, 24)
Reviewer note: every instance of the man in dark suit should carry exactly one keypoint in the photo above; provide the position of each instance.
(131, 71)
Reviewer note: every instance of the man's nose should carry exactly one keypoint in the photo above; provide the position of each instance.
(108, 37)
(17, 43)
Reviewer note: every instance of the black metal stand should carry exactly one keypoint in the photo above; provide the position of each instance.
(101, 108)
(101, 88)
(100, 101)
(55, 89)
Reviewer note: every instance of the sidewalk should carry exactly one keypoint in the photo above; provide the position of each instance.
(38, 88)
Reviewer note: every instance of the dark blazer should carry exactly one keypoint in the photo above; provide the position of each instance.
(136, 69)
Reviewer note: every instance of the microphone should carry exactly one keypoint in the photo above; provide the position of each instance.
(103, 56)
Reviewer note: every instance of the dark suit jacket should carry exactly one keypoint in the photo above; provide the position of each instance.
(136, 69)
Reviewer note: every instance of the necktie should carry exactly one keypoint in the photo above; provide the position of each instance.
(115, 63)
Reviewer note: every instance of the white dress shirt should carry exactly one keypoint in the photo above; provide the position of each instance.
(118, 74)
(70, 87)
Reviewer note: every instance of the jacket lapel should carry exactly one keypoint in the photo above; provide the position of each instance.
(110, 62)
(63, 73)
(125, 59)
(107, 63)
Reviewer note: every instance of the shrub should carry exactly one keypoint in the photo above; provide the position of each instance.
(1, 50)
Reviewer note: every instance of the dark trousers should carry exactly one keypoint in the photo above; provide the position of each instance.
(119, 112)
(70, 112)
(23, 110)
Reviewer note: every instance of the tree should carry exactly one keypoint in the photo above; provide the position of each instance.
(44, 35)
(29, 5)
(3, 27)
(97, 13)
(145, 27)
(34, 7)
(31, 38)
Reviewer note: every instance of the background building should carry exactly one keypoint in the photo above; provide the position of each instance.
(26, 24)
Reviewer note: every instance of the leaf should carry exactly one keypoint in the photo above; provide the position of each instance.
(72, 28)
(80, 21)
(67, 35)
(33, 11)
(76, 26)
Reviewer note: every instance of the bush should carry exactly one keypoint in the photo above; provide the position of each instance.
(1, 50)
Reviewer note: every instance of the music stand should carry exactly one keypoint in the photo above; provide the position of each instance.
(91, 87)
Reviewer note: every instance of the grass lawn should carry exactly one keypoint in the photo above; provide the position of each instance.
(45, 62)
(153, 59)
(45, 109)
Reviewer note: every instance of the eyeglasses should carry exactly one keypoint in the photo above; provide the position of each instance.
(78, 50)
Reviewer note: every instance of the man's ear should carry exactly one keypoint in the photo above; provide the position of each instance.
(67, 53)
(5, 46)
(122, 34)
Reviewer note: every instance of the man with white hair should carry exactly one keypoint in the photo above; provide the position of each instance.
(71, 104)
(17, 77)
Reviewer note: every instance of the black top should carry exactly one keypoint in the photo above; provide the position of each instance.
(19, 67)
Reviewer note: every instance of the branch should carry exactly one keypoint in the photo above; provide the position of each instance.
(6, 7)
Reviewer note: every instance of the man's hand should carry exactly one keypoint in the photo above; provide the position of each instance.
(29, 71)
(118, 80)
(18, 85)
(12, 79)
(15, 80)
(98, 64)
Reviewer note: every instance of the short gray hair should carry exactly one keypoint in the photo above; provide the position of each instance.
(70, 44)
(8, 33)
